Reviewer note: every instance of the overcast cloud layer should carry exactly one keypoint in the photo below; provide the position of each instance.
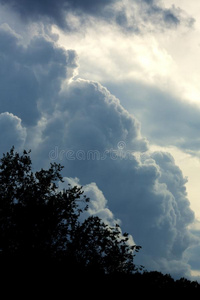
(131, 15)
(79, 123)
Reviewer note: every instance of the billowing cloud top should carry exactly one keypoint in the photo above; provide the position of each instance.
(31, 75)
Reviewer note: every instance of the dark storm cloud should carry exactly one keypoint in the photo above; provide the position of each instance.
(169, 16)
(155, 12)
(132, 16)
(30, 76)
(150, 15)
(148, 196)
(75, 118)
(55, 10)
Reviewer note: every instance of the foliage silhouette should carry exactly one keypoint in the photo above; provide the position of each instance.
(43, 240)
(40, 225)
(156, 280)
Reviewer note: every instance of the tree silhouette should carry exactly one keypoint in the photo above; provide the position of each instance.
(40, 224)
(104, 248)
(41, 234)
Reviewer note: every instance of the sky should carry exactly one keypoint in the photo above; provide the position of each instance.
(110, 89)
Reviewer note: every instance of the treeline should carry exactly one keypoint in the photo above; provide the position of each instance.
(43, 240)
(154, 279)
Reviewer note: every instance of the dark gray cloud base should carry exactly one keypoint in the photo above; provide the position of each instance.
(54, 12)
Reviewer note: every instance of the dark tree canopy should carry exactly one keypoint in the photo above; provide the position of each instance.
(42, 237)
(40, 223)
